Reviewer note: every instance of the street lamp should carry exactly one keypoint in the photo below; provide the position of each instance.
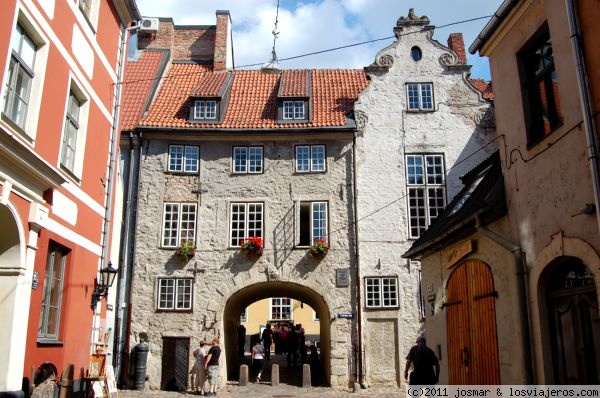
(107, 277)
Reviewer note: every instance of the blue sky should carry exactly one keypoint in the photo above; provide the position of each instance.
(315, 25)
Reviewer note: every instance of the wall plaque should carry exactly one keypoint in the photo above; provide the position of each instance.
(342, 277)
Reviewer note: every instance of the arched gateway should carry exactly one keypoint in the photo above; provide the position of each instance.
(250, 294)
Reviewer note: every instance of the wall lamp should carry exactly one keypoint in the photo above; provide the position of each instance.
(107, 278)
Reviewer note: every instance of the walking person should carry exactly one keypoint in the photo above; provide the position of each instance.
(258, 361)
(267, 338)
(426, 367)
(212, 366)
(198, 371)
(241, 338)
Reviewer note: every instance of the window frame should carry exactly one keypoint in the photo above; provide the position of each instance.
(178, 239)
(43, 335)
(381, 305)
(310, 159)
(281, 305)
(531, 77)
(301, 241)
(247, 166)
(90, 13)
(425, 186)
(420, 91)
(181, 286)
(205, 114)
(246, 230)
(184, 159)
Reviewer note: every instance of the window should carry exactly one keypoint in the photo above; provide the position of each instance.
(294, 110)
(183, 158)
(205, 109)
(86, 7)
(174, 294)
(246, 222)
(51, 308)
(416, 54)
(426, 191)
(90, 8)
(69, 144)
(20, 77)
(381, 292)
(420, 96)
(247, 159)
(179, 223)
(310, 158)
(281, 309)
(540, 87)
(313, 222)
(244, 315)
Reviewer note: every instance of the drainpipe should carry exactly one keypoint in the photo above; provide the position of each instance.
(522, 293)
(586, 104)
(359, 359)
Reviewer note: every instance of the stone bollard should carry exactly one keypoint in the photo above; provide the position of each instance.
(275, 374)
(67, 381)
(243, 375)
(306, 375)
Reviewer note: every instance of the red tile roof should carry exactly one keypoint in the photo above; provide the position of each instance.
(252, 104)
(138, 80)
(210, 85)
(294, 83)
(484, 87)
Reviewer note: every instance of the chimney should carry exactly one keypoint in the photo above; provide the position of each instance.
(223, 58)
(457, 44)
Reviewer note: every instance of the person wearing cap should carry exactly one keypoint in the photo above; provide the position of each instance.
(426, 367)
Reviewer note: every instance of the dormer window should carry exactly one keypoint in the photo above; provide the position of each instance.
(294, 110)
(205, 110)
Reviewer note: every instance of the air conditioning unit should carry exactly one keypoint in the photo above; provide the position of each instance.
(149, 24)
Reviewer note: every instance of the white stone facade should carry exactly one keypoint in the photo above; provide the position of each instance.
(388, 131)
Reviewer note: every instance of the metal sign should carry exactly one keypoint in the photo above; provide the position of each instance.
(345, 315)
(342, 277)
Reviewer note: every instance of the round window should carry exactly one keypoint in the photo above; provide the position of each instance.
(416, 53)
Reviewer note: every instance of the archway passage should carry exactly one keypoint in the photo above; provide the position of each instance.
(250, 294)
(471, 324)
(574, 323)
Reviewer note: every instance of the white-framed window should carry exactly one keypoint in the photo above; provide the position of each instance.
(247, 159)
(20, 76)
(51, 308)
(310, 158)
(419, 96)
(381, 292)
(312, 222)
(205, 109)
(244, 315)
(294, 110)
(90, 10)
(246, 221)
(71, 131)
(281, 309)
(174, 294)
(179, 223)
(184, 158)
(425, 178)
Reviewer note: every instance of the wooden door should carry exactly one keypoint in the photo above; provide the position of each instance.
(471, 325)
(175, 358)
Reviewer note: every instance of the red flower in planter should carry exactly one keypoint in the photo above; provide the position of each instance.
(252, 245)
(319, 248)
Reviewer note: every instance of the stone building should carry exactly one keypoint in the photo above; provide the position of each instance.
(517, 263)
(422, 124)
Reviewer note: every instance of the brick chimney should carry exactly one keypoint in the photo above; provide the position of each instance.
(457, 44)
(223, 57)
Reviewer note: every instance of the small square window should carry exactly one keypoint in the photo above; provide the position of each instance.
(294, 110)
(281, 309)
(247, 160)
(381, 292)
(419, 96)
(310, 158)
(205, 110)
(183, 158)
(174, 294)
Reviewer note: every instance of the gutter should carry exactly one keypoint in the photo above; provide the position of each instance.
(586, 103)
(520, 269)
(492, 25)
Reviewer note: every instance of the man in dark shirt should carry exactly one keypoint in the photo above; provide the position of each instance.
(212, 366)
(426, 367)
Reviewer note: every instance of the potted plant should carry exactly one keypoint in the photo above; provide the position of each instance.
(187, 249)
(319, 248)
(252, 245)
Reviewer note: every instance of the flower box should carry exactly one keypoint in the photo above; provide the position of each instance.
(319, 248)
(186, 249)
(252, 246)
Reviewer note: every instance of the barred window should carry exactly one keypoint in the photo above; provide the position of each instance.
(381, 292)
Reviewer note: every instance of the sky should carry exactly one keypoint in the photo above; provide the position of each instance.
(315, 25)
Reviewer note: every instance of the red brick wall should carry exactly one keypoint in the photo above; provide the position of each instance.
(161, 39)
(457, 44)
(194, 43)
(220, 60)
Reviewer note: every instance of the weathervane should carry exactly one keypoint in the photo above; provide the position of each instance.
(272, 65)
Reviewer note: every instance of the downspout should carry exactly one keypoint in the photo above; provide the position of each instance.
(359, 359)
(520, 266)
(586, 104)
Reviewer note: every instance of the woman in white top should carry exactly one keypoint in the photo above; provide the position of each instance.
(258, 359)
(198, 372)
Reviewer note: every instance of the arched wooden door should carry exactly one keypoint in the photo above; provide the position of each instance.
(471, 325)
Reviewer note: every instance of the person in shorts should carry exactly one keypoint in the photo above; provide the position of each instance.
(212, 366)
